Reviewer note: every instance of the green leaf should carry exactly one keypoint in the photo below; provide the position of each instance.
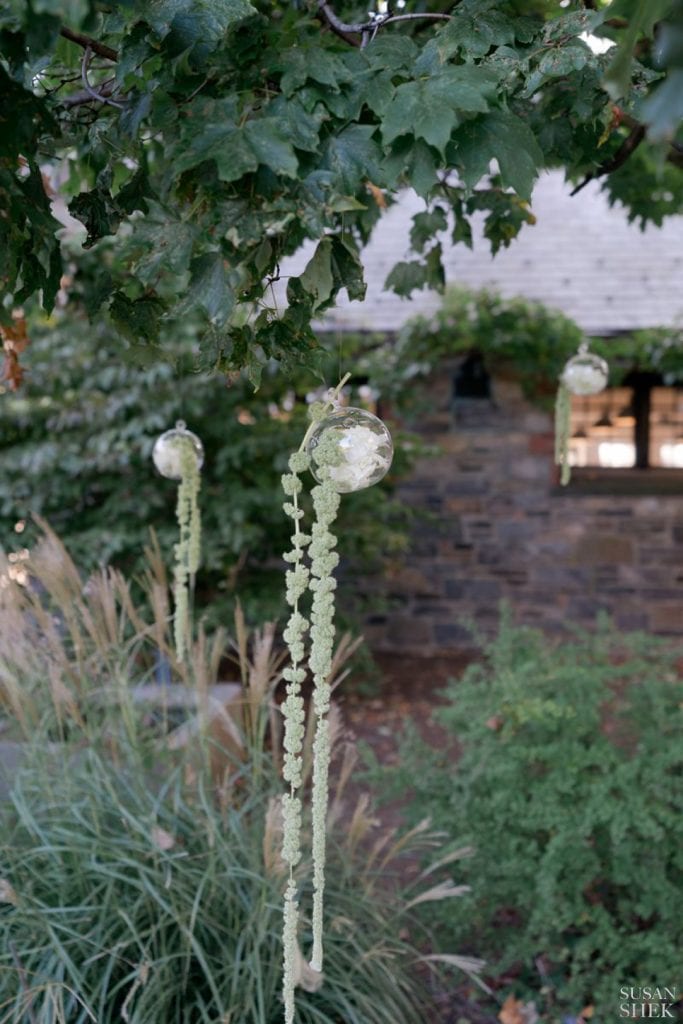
(394, 52)
(98, 212)
(137, 319)
(378, 92)
(231, 150)
(317, 279)
(557, 63)
(662, 111)
(166, 244)
(506, 137)
(312, 63)
(354, 157)
(428, 109)
(642, 15)
(347, 267)
(462, 229)
(344, 204)
(435, 274)
(300, 126)
(423, 168)
(134, 114)
(134, 194)
(271, 147)
(42, 261)
(506, 215)
(42, 33)
(473, 29)
(210, 288)
(23, 117)
(426, 225)
(197, 25)
(413, 275)
(237, 150)
(99, 291)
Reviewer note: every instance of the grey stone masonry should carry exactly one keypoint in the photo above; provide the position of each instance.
(494, 525)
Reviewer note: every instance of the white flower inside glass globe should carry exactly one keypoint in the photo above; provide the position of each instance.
(169, 449)
(585, 374)
(360, 445)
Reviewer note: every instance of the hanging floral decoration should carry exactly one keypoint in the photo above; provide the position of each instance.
(346, 449)
(178, 454)
(584, 374)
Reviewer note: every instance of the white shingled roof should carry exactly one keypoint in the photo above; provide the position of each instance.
(582, 256)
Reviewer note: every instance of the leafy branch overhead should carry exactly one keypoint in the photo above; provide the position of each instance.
(199, 144)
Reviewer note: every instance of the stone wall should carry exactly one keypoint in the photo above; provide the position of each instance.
(498, 527)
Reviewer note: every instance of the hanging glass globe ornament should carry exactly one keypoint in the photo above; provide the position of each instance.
(354, 445)
(170, 447)
(585, 373)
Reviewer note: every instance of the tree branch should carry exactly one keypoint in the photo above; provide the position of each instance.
(415, 17)
(339, 27)
(85, 41)
(628, 146)
(80, 99)
(95, 93)
(347, 31)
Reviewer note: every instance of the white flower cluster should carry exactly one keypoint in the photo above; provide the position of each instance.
(363, 454)
(585, 375)
(359, 450)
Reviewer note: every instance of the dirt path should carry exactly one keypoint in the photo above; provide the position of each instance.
(409, 689)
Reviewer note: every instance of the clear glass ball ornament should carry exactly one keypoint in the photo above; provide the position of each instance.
(358, 445)
(585, 373)
(169, 448)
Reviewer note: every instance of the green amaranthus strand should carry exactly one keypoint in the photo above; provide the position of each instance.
(188, 549)
(324, 560)
(563, 409)
(299, 580)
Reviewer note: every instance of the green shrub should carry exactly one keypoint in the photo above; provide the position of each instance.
(569, 786)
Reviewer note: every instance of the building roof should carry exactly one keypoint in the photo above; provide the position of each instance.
(582, 257)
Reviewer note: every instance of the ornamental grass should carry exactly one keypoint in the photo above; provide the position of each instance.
(141, 868)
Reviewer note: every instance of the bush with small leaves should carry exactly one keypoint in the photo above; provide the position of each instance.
(569, 787)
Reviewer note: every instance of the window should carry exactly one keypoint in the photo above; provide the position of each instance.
(637, 426)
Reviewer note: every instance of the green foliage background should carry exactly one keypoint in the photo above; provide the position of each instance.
(76, 444)
(76, 439)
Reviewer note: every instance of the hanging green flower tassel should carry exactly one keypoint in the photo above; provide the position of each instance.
(298, 583)
(187, 550)
(178, 454)
(297, 578)
(563, 412)
(344, 451)
(324, 560)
